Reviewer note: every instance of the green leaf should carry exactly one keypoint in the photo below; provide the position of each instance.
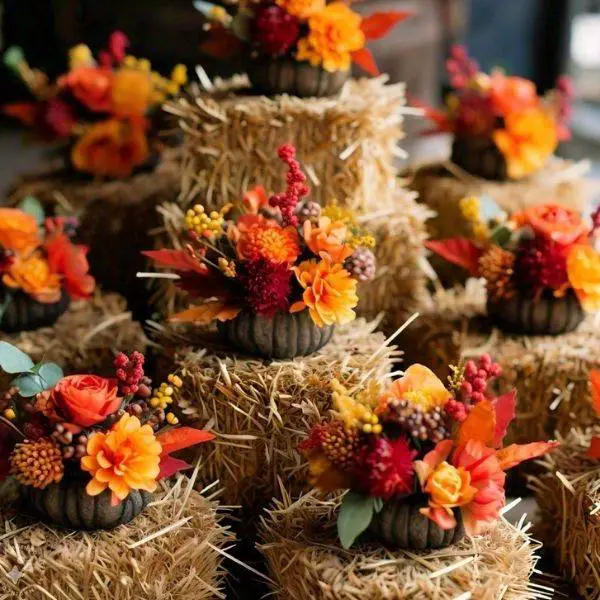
(501, 235)
(29, 384)
(13, 360)
(4, 304)
(378, 504)
(51, 374)
(32, 206)
(355, 516)
(13, 57)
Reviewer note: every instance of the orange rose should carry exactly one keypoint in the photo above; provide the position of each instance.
(328, 237)
(33, 276)
(18, 231)
(91, 86)
(583, 270)
(85, 400)
(131, 93)
(511, 94)
(561, 225)
(303, 9)
(112, 148)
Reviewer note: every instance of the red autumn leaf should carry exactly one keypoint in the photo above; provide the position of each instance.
(595, 382)
(504, 406)
(594, 449)
(169, 466)
(182, 437)
(514, 454)
(440, 118)
(221, 43)
(364, 59)
(179, 260)
(378, 24)
(26, 112)
(458, 251)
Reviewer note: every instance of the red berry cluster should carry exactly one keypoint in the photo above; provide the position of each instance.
(274, 30)
(296, 187)
(461, 68)
(129, 372)
(566, 93)
(456, 410)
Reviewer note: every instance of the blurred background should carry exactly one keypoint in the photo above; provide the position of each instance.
(538, 39)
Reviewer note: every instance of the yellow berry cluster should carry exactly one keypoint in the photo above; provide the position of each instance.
(163, 396)
(470, 207)
(162, 87)
(227, 267)
(9, 414)
(353, 411)
(208, 225)
(338, 213)
(361, 240)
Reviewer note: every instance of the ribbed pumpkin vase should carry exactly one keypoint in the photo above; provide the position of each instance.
(23, 313)
(67, 504)
(479, 156)
(286, 76)
(546, 315)
(283, 336)
(400, 525)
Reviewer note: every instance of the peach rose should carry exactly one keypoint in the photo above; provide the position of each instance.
(85, 400)
(92, 86)
(557, 223)
(18, 231)
(328, 237)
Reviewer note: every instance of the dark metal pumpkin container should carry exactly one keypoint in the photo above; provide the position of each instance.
(23, 313)
(400, 525)
(479, 156)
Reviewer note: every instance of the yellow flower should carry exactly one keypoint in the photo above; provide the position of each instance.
(333, 34)
(303, 9)
(33, 276)
(131, 93)
(449, 486)
(179, 75)
(583, 269)
(80, 56)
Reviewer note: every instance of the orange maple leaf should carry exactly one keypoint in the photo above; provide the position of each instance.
(514, 454)
(595, 381)
(480, 425)
(206, 313)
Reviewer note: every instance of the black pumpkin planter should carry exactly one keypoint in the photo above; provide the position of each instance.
(23, 313)
(400, 525)
(67, 504)
(288, 76)
(479, 156)
(283, 336)
(546, 315)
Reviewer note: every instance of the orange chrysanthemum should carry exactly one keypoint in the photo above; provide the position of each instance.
(33, 276)
(334, 34)
(328, 237)
(258, 238)
(131, 93)
(583, 269)
(124, 459)
(112, 148)
(527, 141)
(329, 292)
(303, 9)
(18, 231)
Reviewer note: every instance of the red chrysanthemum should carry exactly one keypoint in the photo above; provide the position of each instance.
(540, 264)
(268, 286)
(274, 30)
(387, 468)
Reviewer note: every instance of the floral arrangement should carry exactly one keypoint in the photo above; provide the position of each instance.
(281, 253)
(506, 110)
(102, 108)
(38, 257)
(543, 249)
(419, 438)
(327, 35)
(117, 432)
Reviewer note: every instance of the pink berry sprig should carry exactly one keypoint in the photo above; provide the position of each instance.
(477, 377)
(456, 410)
(461, 68)
(129, 371)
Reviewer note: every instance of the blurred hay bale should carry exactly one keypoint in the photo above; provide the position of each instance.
(38, 562)
(568, 496)
(307, 562)
(260, 410)
(86, 337)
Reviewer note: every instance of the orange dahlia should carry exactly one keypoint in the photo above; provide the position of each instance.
(33, 276)
(527, 141)
(329, 237)
(334, 34)
(329, 292)
(303, 9)
(18, 231)
(583, 269)
(131, 92)
(258, 238)
(124, 459)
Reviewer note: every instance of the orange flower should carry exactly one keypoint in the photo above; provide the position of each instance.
(258, 237)
(131, 93)
(33, 276)
(303, 9)
(329, 292)
(527, 141)
(18, 231)
(91, 86)
(334, 34)
(558, 223)
(583, 270)
(70, 261)
(328, 237)
(511, 94)
(124, 459)
(112, 148)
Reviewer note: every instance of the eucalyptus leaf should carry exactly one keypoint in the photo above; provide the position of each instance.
(13, 57)
(51, 374)
(32, 206)
(13, 360)
(4, 304)
(355, 516)
(29, 384)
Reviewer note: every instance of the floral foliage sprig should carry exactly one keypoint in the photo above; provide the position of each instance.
(38, 257)
(543, 248)
(507, 110)
(118, 431)
(102, 106)
(328, 35)
(419, 437)
(282, 253)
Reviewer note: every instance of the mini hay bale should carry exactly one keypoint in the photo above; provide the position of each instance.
(261, 410)
(346, 144)
(442, 186)
(170, 552)
(86, 337)
(568, 496)
(306, 561)
(549, 373)
(117, 218)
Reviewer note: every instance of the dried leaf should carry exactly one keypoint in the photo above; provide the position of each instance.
(206, 313)
(595, 382)
(364, 59)
(458, 251)
(221, 43)
(170, 465)
(378, 24)
(480, 425)
(505, 407)
(594, 449)
(182, 437)
(179, 260)
(515, 454)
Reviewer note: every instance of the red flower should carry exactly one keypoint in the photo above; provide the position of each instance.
(387, 468)
(268, 286)
(92, 86)
(274, 30)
